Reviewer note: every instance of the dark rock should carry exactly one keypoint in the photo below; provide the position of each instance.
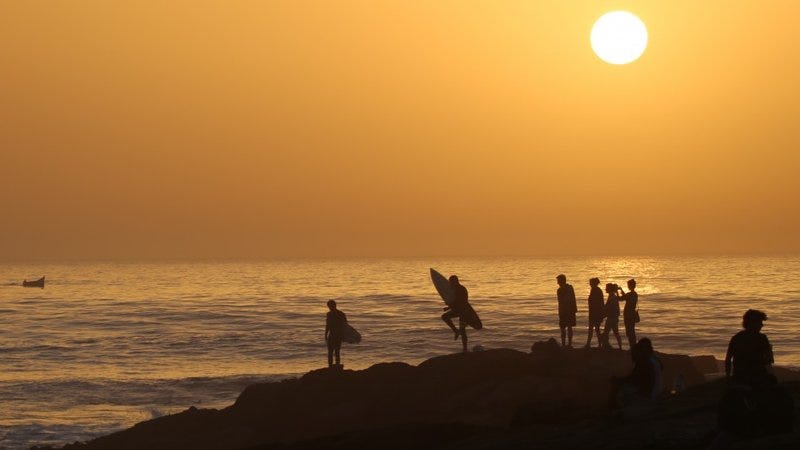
(492, 399)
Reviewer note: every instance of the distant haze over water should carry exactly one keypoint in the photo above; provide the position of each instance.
(106, 345)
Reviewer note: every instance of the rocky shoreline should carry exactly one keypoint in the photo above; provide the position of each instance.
(494, 399)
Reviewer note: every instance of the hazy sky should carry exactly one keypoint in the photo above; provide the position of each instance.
(137, 129)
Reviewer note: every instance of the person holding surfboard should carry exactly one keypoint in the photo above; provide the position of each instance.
(456, 298)
(458, 308)
(335, 324)
(567, 308)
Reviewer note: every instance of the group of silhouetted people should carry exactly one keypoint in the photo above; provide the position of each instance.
(753, 404)
(598, 310)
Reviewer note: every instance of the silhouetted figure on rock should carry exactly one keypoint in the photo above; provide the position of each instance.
(750, 353)
(334, 331)
(460, 308)
(753, 404)
(612, 315)
(567, 308)
(631, 312)
(596, 311)
(645, 383)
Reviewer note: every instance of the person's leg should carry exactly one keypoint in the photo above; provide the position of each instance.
(563, 336)
(337, 350)
(330, 352)
(633, 333)
(604, 336)
(569, 336)
(616, 334)
(630, 333)
(448, 319)
(594, 327)
(462, 328)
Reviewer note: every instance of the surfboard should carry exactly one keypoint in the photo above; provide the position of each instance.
(350, 335)
(442, 285)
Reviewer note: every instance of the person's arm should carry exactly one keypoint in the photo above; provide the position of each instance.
(728, 358)
(327, 327)
(573, 300)
(769, 356)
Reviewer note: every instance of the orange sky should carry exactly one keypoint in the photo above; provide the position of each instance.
(395, 128)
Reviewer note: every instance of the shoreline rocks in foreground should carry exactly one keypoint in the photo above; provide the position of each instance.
(495, 399)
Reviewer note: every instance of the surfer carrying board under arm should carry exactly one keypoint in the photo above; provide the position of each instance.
(335, 323)
(458, 308)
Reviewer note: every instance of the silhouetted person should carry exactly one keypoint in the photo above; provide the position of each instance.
(596, 310)
(458, 309)
(753, 404)
(630, 314)
(750, 353)
(612, 314)
(645, 382)
(334, 331)
(567, 308)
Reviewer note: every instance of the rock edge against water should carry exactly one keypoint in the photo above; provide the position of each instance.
(496, 399)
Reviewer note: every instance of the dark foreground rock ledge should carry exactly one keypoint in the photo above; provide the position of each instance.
(496, 399)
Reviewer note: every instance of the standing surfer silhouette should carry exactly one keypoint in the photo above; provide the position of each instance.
(334, 331)
(458, 309)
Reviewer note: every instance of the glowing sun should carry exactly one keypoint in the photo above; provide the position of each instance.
(619, 37)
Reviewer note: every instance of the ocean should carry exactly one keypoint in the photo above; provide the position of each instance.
(105, 345)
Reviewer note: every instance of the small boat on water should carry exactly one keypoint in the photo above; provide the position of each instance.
(35, 283)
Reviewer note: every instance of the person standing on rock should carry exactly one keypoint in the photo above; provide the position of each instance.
(460, 308)
(612, 315)
(334, 331)
(567, 308)
(631, 312)
(596, 311)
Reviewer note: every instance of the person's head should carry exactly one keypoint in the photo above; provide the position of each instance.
(753, 320)
(631, 284)
(561, 279)
(594, 282)
(611, 288)
(453, 280)
(642, 349)
(332, 305)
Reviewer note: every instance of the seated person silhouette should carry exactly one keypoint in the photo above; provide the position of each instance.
(645, 383)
